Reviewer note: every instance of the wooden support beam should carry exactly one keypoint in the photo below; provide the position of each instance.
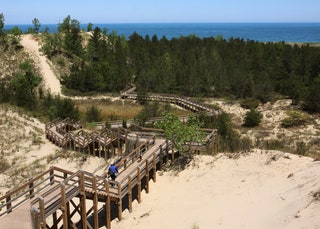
(95, 202)
(130, 193)
(119, 143)
(139, 184)
(119, 202)
(55, 221)
(108, 209)
(83, 201)
(64, 206)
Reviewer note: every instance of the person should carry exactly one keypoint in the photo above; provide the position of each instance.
(113, 171)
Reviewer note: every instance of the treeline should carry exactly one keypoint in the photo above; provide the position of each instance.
(236, 68)
(188, 66)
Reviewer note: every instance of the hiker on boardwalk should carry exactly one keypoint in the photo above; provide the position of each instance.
(113, 171)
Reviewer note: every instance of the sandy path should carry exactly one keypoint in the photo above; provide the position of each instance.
(51, 82)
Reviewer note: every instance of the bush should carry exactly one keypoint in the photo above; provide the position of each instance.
(294, 118)
(252, 118)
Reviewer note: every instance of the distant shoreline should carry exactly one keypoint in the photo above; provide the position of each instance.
(300, 32)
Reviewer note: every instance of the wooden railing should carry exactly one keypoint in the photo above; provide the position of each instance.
(30, 189)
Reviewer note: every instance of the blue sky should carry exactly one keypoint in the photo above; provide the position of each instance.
(149, 11)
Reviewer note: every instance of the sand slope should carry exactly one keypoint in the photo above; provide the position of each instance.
(258, 190)
(51, 81)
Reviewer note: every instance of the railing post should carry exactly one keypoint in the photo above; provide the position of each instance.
(108, 209)
(31, 189)
(8, 202)
(160, 157)
(43, 224)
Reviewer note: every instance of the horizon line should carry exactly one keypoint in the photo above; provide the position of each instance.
(244, 22)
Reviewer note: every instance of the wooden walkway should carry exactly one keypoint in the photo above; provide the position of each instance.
(58, 198)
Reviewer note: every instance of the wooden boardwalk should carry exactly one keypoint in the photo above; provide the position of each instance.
(58, 198)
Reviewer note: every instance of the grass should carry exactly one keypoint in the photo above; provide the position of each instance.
(119, 109)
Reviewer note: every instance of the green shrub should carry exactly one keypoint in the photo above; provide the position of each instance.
(252, 118)
(294, 118)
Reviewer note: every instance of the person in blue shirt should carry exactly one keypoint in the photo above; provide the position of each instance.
(113, 171)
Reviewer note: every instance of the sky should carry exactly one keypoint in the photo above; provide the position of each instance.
(159, 11)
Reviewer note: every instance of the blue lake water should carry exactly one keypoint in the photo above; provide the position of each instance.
(264, 32)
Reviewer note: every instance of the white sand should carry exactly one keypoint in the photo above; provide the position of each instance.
(253, 191)
(51, 81)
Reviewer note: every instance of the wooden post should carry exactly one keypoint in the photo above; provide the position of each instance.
(83, 201)
(64, 206)
(154, 168)
(126, 141)
(119, 202)
(43, 224)
(130, 193)
(119, 142)
(147, 176)
(108, 209)
(139, 185)
(51, 173)
(55, 222)
(95, 202)
(31, 189)
(99, 145)
(8, 201)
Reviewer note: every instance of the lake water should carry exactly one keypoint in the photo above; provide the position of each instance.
(264, 32)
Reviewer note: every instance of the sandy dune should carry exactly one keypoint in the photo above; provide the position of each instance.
(257, 190)
(51, 81)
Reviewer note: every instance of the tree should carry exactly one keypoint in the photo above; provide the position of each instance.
(178, 133)
(252, 118)
(36, 25)
(1, 26)
(312, 98)
(24, 84)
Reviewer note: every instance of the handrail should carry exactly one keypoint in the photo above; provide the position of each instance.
(12, 199)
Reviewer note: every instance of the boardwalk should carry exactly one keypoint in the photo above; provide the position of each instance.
(58, 198)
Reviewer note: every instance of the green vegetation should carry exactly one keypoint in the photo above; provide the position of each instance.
(295, 118)
(180, 133)
(252, 118)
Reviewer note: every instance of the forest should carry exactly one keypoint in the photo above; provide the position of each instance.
(189, 66)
